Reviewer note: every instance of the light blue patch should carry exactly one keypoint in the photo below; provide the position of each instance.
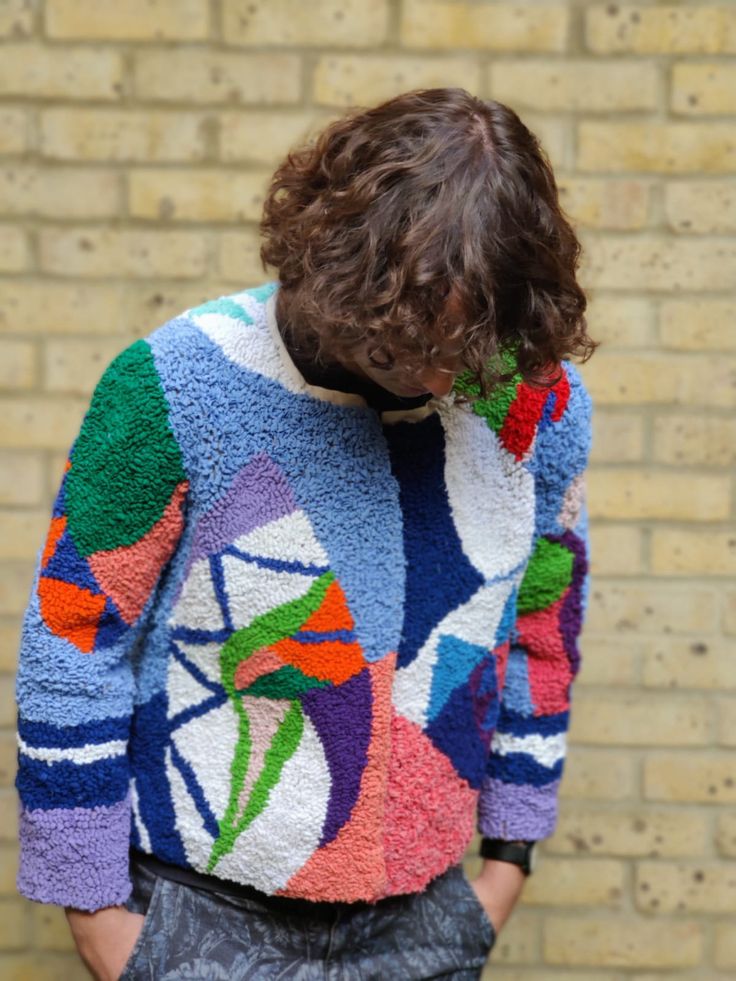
(456, 659)
(508, 619)
(516, 693)
(262, 293)
(224, 306)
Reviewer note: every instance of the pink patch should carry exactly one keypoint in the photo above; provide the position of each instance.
(128, 574)
(501, 653)
(351, 867)
(258, 664)
(550, 673)
(430, 811)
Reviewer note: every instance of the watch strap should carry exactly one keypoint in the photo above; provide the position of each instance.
(508, 851)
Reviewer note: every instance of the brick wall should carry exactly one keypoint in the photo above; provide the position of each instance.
(136, 139)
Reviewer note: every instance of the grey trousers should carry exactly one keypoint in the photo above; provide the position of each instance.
(194, 933)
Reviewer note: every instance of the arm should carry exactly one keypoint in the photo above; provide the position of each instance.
(116, 521)
(519, 798)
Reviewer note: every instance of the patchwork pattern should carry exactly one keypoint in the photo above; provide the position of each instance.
(205, 665)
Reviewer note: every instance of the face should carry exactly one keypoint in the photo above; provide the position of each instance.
(436, 379)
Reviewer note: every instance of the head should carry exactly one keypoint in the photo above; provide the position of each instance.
(423, 238)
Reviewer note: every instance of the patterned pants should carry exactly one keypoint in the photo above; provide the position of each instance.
(193, 933)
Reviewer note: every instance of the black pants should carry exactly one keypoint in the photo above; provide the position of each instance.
(194, 933)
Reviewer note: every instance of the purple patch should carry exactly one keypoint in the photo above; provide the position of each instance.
(342, 716)
(258, 494)
(517, 811)
(571, 613)
(483, 684)
(75, 857)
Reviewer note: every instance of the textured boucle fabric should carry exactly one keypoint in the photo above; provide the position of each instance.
(291, 640)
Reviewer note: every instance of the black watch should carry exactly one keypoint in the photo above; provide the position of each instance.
(518, 853)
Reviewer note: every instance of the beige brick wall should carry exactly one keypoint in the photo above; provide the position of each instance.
(136, 140)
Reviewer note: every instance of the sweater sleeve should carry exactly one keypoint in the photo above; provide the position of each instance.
(116, 521)
(519, 797)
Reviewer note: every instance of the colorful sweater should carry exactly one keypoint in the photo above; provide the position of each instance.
(282, 638)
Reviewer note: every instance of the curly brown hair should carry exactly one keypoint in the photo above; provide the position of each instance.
(431, 218)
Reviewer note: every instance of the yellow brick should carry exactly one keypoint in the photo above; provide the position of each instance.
(238, 257)
(7, 705)
(211, 195)
(60, 308)
(701, 207)
(39, 423)
(50, 928)
(265, 136)
(31, 966)
(676, 663)
(8, 809)
(623, 379)
(666, 29)
(519, 941)
(618, 437)
(727, 721)
(14, 253)
(626, 942)
(21, 478)
(575, 882)
(694, 325)
(33, 70)
(126, 252)
(8, 761)
(725, 950)
(607, 661)
(555, 135)
(616, 550)
(347, 23)
(608, 718)
(597, 774)
(653, 262)
(577, 85)
(646, 607)
(134, 20)
(684, 552)
(75, 365)
(13, 130)
(709, 87)
(621, 321)
(201, 76)
(9, 643)
(17, 364)
(21, 533)
(345, 80)
(629, 493)
(636, 832)
(492, 973)
(14, 933)
(16, 18)
(146, 307)
(667, 148)
(702, 887)
(605, 204)
(726, 838)
(709, 440)
(729, 613)
(8, 868)
(123, 134)
(690, 777)
(490, 26)
(62, 193)
(15, 587)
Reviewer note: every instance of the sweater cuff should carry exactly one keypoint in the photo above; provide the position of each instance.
(517, 811)
(76, 856)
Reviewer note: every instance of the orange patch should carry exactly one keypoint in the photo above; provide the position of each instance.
(71, 612)
(333, 660)
(333, 612)
(56, 530)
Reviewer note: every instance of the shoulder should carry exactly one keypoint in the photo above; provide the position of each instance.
(564, 429)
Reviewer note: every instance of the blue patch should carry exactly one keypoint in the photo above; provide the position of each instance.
(520, 768)
(524, 725)
(516, 692)
(455, 734)
(196, 792)
(456, 660)
(98, 731)
(439, 576)
(44, 786)
(68, 565)
(111, 626)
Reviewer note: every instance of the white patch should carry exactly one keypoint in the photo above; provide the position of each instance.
(476, 622)
(198, 608)
(293, 819)
(183, 689)
(208, 744)
(491, 494)
(204, 656)
(572, 502)
(140, 826)
(253, 591)
(91, 753)
(288, 539)
(194, 836)
(546, 750)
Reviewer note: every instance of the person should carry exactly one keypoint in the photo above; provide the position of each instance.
(306, 617)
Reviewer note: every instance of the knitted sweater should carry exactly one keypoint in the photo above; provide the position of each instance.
(283, 638)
